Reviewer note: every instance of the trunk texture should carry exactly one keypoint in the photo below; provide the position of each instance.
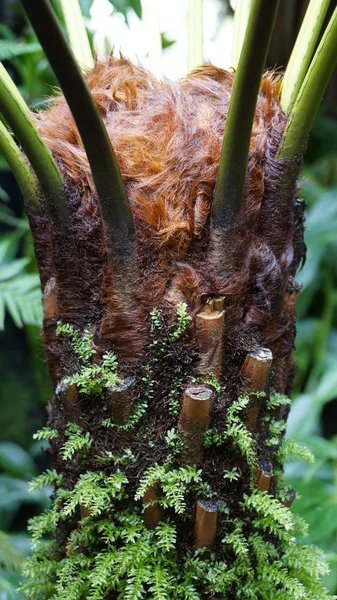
(166, 428)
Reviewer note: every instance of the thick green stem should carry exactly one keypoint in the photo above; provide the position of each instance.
(18, 166)
(77, 33)
(10, 85)
(311, 93)
(303, 52)
(195, 50)
(241, 18)
(17, 115)
(110, 189)
(235, 149)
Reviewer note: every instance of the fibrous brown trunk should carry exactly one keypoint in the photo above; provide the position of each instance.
(204, 328)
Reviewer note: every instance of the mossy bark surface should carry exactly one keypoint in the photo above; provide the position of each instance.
(166, 437)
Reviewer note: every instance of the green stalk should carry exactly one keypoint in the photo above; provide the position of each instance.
(17, 115)
(18, 166)
(241, 18)
(9, 83)
(195, 19)
(235, 149)
(303, 52)
(109, 185)
(311, 93)
(77, 33)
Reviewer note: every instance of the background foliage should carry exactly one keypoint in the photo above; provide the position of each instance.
(24, 384)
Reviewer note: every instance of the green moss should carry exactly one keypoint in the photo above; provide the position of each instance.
(91, 379)
(118, 553)
(111, 553)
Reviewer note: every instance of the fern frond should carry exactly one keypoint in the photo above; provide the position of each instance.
(77, 441)
(49, 477)
(292, 449)
(11, 49)
(95, 491)
(46, 433)
(20, 293)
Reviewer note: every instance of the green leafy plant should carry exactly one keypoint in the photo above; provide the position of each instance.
(77, 441)
(92, 378)
(20, 293)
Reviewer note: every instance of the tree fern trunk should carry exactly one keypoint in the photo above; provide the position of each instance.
(167, 426)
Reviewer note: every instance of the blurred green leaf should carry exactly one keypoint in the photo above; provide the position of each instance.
(3, 195)
(123, 6)
(9, 49)
(9, 583)
(321, 448)
(8, 218)
(19, 291)
(15, 461)
(327, 388)
(13, 493)
(322, 521)
(10, 557)
(137, 7)
(85, 7)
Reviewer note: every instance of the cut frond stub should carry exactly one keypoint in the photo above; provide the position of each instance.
(255, 374)
(264, 475)
(289, 498)
(193, 422)
(206, 520)
(68, 395)
(153, 513)
(256, 368)
(119, 401)
(210, 328)
(49, 300)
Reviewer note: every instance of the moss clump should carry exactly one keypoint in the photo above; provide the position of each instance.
(99, 546)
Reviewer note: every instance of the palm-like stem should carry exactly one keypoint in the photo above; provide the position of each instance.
(311, 93)
(241, 18)
(106, 174)
(235, 148)
(303, 52)
(17, 115)
(195, 51)
(19, 166)
(77, 33)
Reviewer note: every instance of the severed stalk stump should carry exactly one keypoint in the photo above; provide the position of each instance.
(255, 374)
(193, 422)
(120, 402)
(209, 329)
(291, 295)
(154, 513)
(85, 511)
(206, 519)
(49, 300)
(68, 395)
(289, 498)
(264, 474)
